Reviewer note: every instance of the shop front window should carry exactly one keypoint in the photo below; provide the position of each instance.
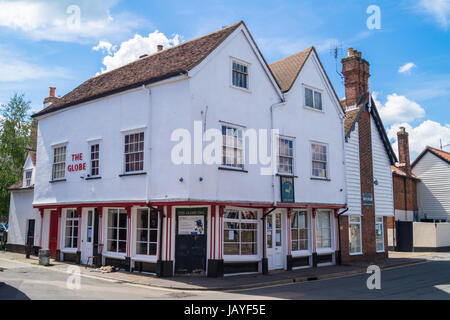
(240, 232)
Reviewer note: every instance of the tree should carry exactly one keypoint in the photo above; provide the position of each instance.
(15, 126)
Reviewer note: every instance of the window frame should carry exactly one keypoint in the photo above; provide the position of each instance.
(382, 235)
(327, 169)
(107, 227)
(25, 180)
(90, 145)
(236, 149)
(55, 147)
(314, 91)
(148, 229)
(350, 223)
(75, 222)
(291, 139)
(308, 230)
(245, 64)
(256, 222)
(127, 134)
(331, 247)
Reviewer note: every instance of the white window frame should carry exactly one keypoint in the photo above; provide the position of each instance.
(55, 147)
(327, 171)
(243, 63)
(257, 222)
(350, 223)
(27, 181)
(309, 232)
(292, 139)
(73, 220)
(129, 133)
(314, 90)
(331, 247)
(90, 144)
(236, 148)
(107, 227)
(148, 229)
(382, 229)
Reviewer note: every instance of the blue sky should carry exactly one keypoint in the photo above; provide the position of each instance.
(38, 48)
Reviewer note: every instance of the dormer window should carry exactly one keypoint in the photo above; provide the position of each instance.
(28, 174)
(313, 99)
(240, 75)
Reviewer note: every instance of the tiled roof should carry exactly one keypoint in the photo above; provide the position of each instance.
(437, 152)
(33, 157)
(168, 63)
(351, 116)
(286, 70)
(397, 171)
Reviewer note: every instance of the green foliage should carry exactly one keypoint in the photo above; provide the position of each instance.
(15, 126)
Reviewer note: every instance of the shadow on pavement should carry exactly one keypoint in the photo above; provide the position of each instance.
(8, 292)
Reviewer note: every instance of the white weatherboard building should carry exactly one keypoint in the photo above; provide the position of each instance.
(107, 187)
(432, 167)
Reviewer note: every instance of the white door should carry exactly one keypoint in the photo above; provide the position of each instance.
(88, 237)
(274, 233)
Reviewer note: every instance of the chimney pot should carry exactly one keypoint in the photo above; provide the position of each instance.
(52, 91)
(356, 74)
(160, 47)
(350, 52)
(403, 150)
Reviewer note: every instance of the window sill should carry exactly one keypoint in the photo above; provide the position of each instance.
(300, 254)
(356, 254)
(143, 258)
(314, 109)
(55, 181)
(132, 174)
(92, 178)
(242, 258)
(239, 88)
(114, 255)
(69, 250)
(286, 175)
(320, 179)
(233, 169)
(321, 251)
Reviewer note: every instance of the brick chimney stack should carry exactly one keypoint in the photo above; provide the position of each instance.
(356, 74)
(51, 97)
(403, 150)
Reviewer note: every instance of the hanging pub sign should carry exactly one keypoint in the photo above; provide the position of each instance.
(191, 225)
(367, 199)
(78, 164)
(287, 189)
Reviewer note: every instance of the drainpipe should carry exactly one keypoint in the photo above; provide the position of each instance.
(339, 234)
(272, 107)
(149, 144)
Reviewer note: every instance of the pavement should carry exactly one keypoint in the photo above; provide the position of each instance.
(239, 282)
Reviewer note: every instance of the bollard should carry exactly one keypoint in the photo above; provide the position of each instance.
(44, 257)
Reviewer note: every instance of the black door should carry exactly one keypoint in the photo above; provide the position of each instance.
(404, 233)
(190, 242)
(30, 233)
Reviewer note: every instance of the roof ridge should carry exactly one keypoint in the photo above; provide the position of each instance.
(167, 49)
(292, 55)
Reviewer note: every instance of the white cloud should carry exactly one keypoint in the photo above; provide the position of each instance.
(428, 133)
(406, 68)
(398, 109)
(53, 20)
(14, 68)
(438, 9)
(105, 47)
(132, 49)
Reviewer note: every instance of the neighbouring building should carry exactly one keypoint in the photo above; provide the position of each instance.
(432, 167)
(110, 182)
(368, 157)
(405, 188)
(24, 220)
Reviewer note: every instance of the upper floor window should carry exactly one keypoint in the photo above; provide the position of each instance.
(28, 175)
(319, 161)
(59, 162)
(240, 75)
(95, 159)
(232, 146)
(134, 152)
(286, 156)
(313, 99)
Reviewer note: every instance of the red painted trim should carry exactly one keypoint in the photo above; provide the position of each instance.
(167, 235)
(169, 214)
(92, 205)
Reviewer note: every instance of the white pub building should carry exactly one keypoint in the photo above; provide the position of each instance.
(107, 190)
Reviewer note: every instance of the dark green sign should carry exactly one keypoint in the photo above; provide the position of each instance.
(287, 189)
